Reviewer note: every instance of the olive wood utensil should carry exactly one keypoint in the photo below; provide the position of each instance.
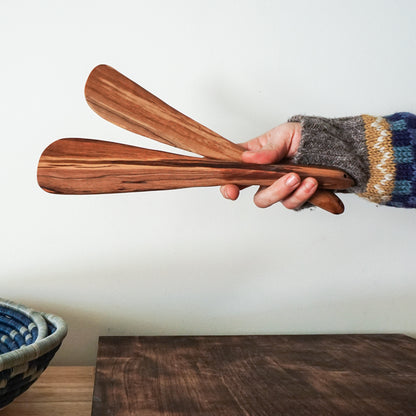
(121, 101)
(86, 166)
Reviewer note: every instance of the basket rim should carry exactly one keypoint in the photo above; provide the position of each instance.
(30, 313)
(37, 349)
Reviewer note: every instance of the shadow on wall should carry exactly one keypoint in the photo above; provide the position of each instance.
(135, 295)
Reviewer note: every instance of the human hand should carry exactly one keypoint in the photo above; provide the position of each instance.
(279, 143)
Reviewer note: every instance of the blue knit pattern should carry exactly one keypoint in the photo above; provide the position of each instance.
(403, 129)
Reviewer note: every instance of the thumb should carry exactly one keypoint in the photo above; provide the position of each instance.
(270, 147)
(273, 149)
(263, 156)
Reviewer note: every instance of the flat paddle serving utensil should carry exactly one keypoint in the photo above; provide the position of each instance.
(86, 166)
(121, 101)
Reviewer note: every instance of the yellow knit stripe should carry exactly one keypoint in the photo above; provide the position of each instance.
(381, 157)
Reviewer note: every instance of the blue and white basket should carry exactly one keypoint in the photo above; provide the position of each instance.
(28, 341)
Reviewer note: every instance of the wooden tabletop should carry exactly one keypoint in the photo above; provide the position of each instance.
(256, 375)
(59, 391)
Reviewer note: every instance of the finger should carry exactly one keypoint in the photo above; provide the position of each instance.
(278, 191)
(302, 194)
(230, 191)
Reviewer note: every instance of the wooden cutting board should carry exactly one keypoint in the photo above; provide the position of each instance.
(256, 375)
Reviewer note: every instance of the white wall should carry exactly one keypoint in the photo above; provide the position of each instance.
(188, 261)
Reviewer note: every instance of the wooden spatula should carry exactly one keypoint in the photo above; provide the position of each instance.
(85, 166)
(126, 104)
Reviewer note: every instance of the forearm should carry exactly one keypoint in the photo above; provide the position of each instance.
(378, 152)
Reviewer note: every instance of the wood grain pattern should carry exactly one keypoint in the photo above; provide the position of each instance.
(60, 391)
(360, 375)
(121, 101)
(82, 166)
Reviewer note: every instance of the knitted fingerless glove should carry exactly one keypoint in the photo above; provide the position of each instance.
(378, 152)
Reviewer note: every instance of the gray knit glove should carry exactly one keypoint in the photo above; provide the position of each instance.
(337, 142)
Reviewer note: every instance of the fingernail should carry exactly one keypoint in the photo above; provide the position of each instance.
(292, 180)
(309, 185)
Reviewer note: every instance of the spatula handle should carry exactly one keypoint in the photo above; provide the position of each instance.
(84, 166)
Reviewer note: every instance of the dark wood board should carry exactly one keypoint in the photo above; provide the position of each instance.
(256, 375)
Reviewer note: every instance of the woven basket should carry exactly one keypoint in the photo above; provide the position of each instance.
(28, 341)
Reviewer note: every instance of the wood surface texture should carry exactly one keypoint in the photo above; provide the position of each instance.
(256, 376)
(83, 166)
(121, 101)
(59, 391)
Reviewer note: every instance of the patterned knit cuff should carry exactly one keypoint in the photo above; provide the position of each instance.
(398, 186)
(378, 152)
